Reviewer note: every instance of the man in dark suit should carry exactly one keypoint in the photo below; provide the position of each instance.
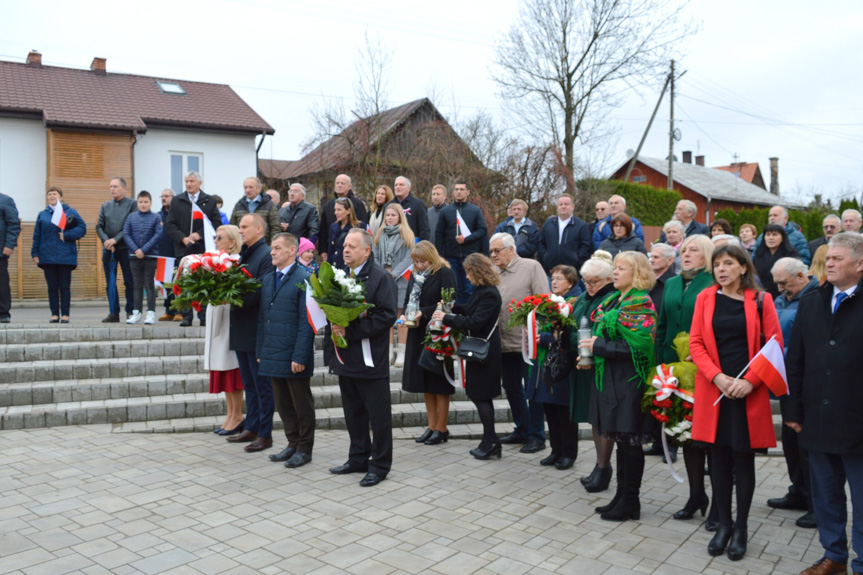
(188, 233)
(832, 225)
(298, 216)
(416, 212)
(342, 189)
(364, 369)
(685, 213)
(285, 345)
(565, 239)
(824, 405)
(258, 427)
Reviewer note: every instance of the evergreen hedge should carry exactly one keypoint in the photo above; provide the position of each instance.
(651, 206)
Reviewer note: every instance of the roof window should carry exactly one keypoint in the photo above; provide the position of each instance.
(170, 87)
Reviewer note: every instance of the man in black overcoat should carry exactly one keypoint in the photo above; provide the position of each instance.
(823, 366)
(364, 369)
(342, 189)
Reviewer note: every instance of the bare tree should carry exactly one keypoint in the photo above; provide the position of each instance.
(564, 63)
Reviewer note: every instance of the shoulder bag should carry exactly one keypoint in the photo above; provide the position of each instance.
(475, 348)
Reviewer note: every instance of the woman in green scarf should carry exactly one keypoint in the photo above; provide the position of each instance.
(624, 328)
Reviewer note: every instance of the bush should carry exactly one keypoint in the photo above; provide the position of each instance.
(809, 220)
(651, 206)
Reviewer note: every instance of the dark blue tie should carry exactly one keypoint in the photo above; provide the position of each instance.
(840, 297)
(279, 277)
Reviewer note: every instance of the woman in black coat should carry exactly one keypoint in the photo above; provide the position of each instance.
(622, 239)
(431, 275)
(479, 318)
(774, 246)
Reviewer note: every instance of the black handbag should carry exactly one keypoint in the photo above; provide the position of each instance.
(430, 363)
(475, 348)
(558, 361)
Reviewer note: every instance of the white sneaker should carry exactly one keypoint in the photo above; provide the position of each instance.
(135, 317)
(151, 318)
(400, 355)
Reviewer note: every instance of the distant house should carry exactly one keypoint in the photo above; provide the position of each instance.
(413, 140)
(78, 128)
(711, 189)
(746, 171)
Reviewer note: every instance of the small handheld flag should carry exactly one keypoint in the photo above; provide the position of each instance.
(59, 216)
(316, 316)
(407, 273)
(463, 230)
(209, 232)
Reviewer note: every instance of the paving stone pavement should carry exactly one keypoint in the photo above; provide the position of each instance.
(81, 499)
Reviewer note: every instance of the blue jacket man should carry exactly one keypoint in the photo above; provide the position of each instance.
(10, 229)
(779, 215)
(569, 245)
(525, 232)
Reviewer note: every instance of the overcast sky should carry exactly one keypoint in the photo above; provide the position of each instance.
(763, 79)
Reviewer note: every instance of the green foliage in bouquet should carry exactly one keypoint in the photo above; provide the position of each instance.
(199, 287)
(675, 411)
(341, 298)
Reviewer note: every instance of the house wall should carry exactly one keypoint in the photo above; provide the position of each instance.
(227, 160)
(23, 165)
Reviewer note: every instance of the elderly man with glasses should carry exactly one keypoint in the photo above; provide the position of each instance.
(832, 225)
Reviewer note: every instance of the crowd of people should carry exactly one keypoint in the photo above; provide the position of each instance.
(730, 293)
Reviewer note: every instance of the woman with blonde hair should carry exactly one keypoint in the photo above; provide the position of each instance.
(818, 268)
(219, 360)
(392, 250)
(383, 197)
(624, 326)
(346, 220)
(430, 277)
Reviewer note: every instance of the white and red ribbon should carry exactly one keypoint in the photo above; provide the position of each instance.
(529, 341)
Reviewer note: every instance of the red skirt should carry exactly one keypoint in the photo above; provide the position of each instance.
(227, 381)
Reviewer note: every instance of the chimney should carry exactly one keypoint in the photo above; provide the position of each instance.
(98, 66)
(34, 59)
(687, 157)
(699, 161)
(774, 176)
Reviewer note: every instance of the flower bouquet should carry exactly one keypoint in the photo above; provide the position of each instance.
(670, 397)
(549, 309)
(211, 278)
(341, 298)
(441, 342)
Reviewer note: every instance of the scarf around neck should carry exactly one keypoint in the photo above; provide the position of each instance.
(390, 243)
(632, 319)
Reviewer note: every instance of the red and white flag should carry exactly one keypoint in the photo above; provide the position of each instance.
(164, 269)
(59, 216)
(317, 317)
(463, 230)
(407, 273)
(209, 232)
(769, 365)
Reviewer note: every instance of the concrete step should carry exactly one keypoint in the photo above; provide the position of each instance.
(116, 349)
(99, 368)
(27, 333)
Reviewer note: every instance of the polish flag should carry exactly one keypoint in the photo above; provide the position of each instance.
(463, 230)
(164, 269)
(407, 273)
(769, 365)
(317, 317)
(209, 232)
(59, 216)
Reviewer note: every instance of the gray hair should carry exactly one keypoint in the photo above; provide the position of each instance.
(596, 268)
(690, 205)
(407, 181)
(119, 179)
(301, 186)
(729, 239)
(832, 217)
(785, 210)
(257, 181)
(850, 210)
(673, 224)
(792, 266)
(195, 175)
(622, 199)
(505, 238)
(368, 240)
(667, 251)
(289, 238)
(853, 242)
(173, 193)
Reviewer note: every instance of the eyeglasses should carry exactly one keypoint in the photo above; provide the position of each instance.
(496, 251)
(828, 227)
(592, 283)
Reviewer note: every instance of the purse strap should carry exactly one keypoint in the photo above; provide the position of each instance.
(491, 332)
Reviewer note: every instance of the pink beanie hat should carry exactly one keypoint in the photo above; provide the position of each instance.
(305, 245)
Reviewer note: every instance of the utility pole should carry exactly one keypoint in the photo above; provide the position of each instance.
(644, 136)
(671, 133)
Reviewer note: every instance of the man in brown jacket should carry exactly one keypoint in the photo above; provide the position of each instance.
(519, 277)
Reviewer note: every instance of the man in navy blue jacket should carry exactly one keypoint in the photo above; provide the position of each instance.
(602, 230)
(286, 348)
(450, 241)
(565, 239)
(522, 228)
(10, 229)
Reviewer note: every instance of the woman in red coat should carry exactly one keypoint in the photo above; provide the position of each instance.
(727, 328)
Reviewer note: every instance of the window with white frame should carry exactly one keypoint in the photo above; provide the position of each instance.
(181, 163)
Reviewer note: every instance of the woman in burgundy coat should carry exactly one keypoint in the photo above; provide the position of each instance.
(729, 324)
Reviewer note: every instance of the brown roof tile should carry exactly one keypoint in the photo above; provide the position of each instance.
(83, 99)
(741, 169)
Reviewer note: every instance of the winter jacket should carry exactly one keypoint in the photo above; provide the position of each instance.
(536, 388)
(416, 214)
(448, 229)
(602, 230)
(244, 320)
(527, 238)
(573, 250)
(675, 313)
(477, 318)
(658, 289)
(166, 242)
(10, 225)
(143, 231)
(787, 309)
(328, 218)
(523, 277)
(433, 216)
(112, 218)
(630, 243)
(798, 242)
(337, 235)
(265, 208)
(47, 245)
(284, 334)
(302, 220)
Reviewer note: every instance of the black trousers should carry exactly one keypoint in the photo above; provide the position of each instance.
(367, 402)
(797, 460)
(5, 291)
(144, 275)
(562, 431)
(296, 408)
(59, 280)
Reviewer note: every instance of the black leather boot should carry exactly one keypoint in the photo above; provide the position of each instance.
(621, 474)
(629, 506)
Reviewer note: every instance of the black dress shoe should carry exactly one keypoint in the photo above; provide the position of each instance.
(371, 478)
(807, 521)
(438, 437)
(283, 455)
(52, 320)
(512, 439)
(737, 545)
(298, 459)
(62, 321)
(185, 322)
(564, 463)
(533, 446)
(790, 501)
(5, 319)
(717, 545)
(487, 451)
(550, 460)
(426, 434)
(217, 430)
(690, 508)
(239, 429)
(203, 324)
(346, 468)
